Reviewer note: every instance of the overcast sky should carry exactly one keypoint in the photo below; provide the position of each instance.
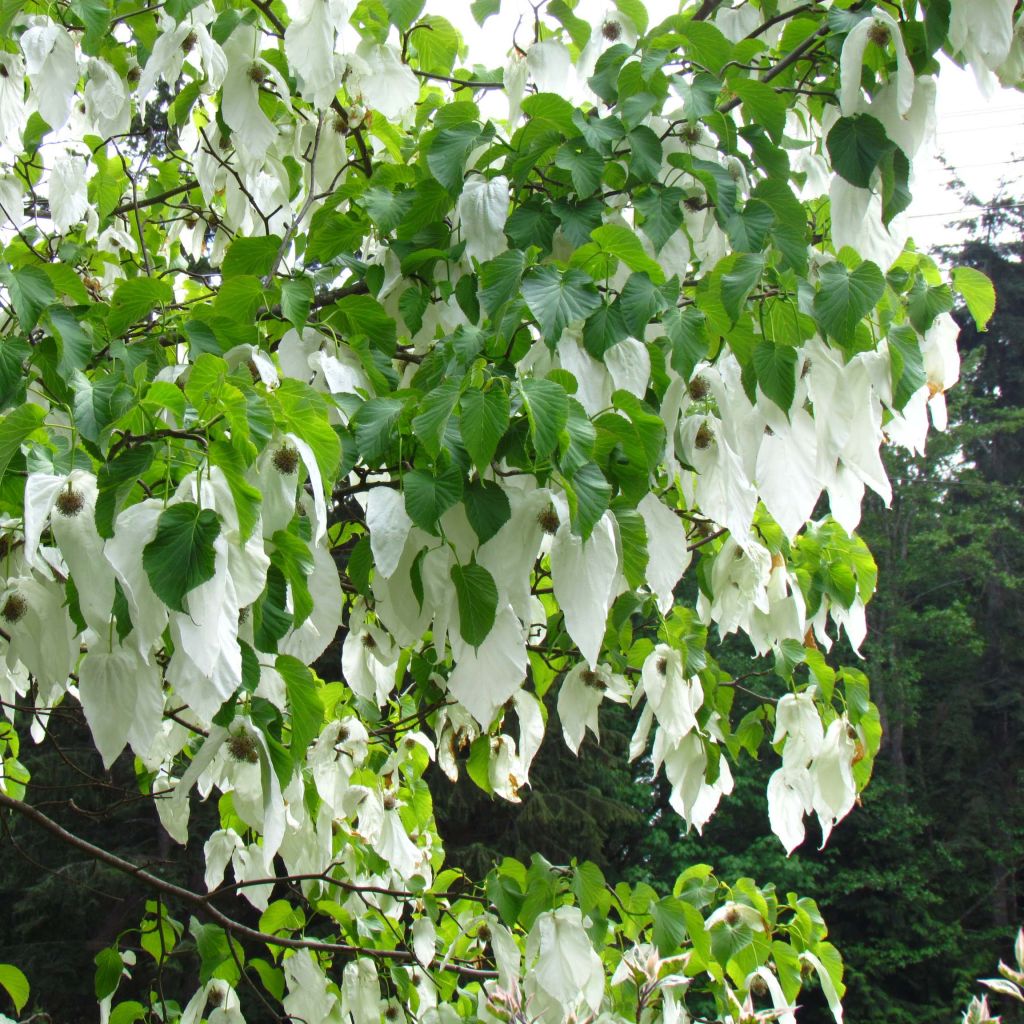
(981, 137)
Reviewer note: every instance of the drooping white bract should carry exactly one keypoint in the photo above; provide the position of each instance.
(580, 696)
(481, 211)
(878, 28)
(564, 973)
(584, 575)
(69, 200)
(309, 44)
(52, 65)
(382, 81)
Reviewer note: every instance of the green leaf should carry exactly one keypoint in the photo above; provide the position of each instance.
(485, 416)
(856, 146)
(128, 1012)
(925, 302)
(978, 293)
(477, 595)
(775, 366)
(250, 256)
(307, 712)
(30, 291)
(748, 229)
(532, 223)
(75, 344)
(645, 161)
(296, 299)
(669, 925)
(483, 9)
(487, 508)
(662, 212)
(558, 299)
(436, 44)
(98, 402)
(547, 409)
(181, 557)
(641, 299)
(589, 495)
(623, 244)
(115, 480)
(762, 105)
(499, 279)
(16, 984)
(845, 298)
(247, 498)
(332, 233)
(428, 497)
(374, 426)
(14, 428)
(403, 13)
(738, 282)
(633, 535)
(303, 412)
(292, 556)
(603, 329)
(447, 155)
(907, 364)
(95, 16)
(108, 971)
(687, 332)
(435, 411)
(135, 299)
(585, 167)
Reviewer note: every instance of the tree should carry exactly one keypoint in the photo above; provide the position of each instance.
(357, 398)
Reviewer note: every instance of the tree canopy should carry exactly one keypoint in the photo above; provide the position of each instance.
(357, 397)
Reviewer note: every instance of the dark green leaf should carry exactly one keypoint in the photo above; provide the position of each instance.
(907, 364)
(487, 508)
(588, 496)
(307, 712)
(478, 601)
(845, 298)
(547, 409)
(775, 366)
(429, 496)
(30, 291)
(856, 146)
(180, 557)
(557, 299)
(485, 416)
(135, 299)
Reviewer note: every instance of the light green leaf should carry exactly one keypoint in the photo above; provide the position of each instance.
(623, 243)
(978, 293)
(16, 984)
(30, 291)
(15, 427)
(478, 601)
(738, 282)
(250, 256)
(296, 299)
(181, 557)
(135, 299)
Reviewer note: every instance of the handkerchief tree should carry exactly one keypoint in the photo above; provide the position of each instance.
(366, 406)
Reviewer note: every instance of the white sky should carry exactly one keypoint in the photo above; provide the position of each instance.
(981, 137)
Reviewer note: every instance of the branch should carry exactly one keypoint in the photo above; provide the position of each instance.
(202, 902)
(706, 10)
(791, 58)
(154, 200)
